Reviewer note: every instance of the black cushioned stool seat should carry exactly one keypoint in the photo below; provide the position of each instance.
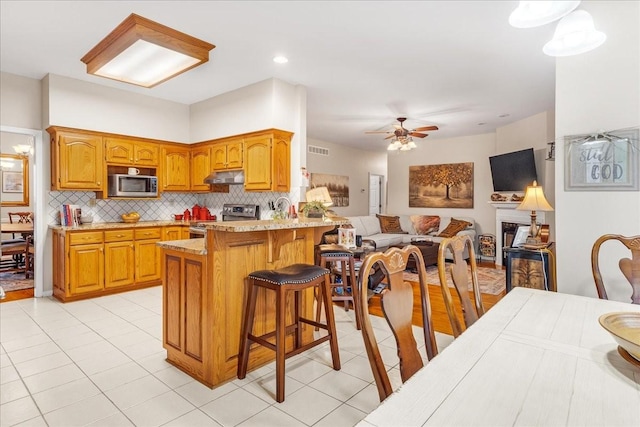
(332, 256)
(295, 278)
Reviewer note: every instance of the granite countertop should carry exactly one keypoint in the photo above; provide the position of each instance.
(112, 225)
(270, 224)
(193, 246)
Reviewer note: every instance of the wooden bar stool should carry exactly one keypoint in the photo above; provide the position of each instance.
(295, 278)
(340, 262)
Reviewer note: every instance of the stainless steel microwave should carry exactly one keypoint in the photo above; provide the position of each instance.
(123, 185)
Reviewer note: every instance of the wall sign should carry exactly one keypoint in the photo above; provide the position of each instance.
(602, 162)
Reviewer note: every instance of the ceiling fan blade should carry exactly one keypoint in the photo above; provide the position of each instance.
(377, 131)
(390, 136)
(425, 128)
(418, 135)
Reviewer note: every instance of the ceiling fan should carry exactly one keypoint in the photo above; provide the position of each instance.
(401, 132)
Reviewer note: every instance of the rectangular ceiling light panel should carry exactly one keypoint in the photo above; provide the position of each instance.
(145, 53)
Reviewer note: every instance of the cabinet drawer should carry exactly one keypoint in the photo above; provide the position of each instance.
(148, 233)
(118, 235)
(84, 238)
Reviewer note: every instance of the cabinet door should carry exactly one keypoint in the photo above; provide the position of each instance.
(86, 268)
(119, 266)
(175, 170)
(234, 155)
(173, 233)
(219, 157)
(119, 151)
(147, 256)
(200, 168)
(145, 154)
(257, 163)
(80, 159)
(281, 164)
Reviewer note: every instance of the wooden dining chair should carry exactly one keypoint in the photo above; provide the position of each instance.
(13, 255)
(630, 267)
(397, 305)
(461, 274)
(20, 218)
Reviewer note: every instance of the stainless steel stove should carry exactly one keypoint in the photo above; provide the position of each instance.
(237, 212)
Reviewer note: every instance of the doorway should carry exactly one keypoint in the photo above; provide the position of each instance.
(37, 201)
(375, 194)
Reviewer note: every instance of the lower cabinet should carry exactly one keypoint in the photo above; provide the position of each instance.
(92, 263)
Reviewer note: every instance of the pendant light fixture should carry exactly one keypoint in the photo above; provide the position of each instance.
(574, 34)
(145, 53)
(530, 14)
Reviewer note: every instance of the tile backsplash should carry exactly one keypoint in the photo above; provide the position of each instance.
(109, 210)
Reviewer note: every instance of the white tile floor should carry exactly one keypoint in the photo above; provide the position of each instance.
(100, 362)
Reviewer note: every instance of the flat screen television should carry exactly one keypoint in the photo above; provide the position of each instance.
(513, 171)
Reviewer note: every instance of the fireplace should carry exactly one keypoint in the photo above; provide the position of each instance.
(507, 221)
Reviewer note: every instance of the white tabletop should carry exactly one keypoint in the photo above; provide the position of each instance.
(535, 358)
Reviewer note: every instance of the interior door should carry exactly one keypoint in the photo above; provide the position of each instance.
(375, 194)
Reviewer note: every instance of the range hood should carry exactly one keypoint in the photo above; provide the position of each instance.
(230, 177)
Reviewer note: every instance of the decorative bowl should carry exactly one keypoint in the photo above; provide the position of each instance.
(624, 327)
(131, 217)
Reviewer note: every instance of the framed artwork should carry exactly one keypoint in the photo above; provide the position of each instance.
(12, 182)
(521, 236)
(602, 162)
(337, 185)
(441, 186)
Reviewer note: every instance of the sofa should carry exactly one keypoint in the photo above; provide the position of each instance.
(388, 230)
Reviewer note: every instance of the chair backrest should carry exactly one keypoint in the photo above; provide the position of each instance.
(20, 218)
(397, 305)
(630, 267)
(461, 273)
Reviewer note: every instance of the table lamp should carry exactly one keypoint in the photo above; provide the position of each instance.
(534, 200)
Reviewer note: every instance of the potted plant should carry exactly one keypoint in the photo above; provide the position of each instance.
(314, 209)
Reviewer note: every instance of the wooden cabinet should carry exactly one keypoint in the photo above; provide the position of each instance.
(175, 168)
(131, 152)
(88, 264)
(227, 155)
(267, 162)
(77, 160)
(200, 168)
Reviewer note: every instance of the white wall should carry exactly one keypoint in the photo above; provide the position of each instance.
(20, 103)
(595, 91)
(354, 163)
(82, 105)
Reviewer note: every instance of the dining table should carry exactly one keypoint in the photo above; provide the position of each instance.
(536, 358)
(18, 227)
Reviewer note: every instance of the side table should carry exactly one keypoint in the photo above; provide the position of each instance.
(531, 268)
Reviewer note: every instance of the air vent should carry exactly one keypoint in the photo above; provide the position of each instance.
(318, 150)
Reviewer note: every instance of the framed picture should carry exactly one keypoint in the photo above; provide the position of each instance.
(337, 185)
(12, 182)
(602, 162)
(347, 237)
(441, 186)
(521, 236)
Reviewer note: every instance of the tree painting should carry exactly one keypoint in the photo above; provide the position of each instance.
(337, 185)
(441, 186)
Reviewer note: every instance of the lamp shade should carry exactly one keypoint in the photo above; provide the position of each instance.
(530, 14)
(574, 34)
(534, 199)
(319, 194)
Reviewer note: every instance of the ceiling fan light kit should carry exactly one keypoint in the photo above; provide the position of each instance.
(145, 53)
(402, 137)
(531, 14)
(575, 33)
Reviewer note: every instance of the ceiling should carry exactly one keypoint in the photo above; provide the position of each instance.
(450, 64)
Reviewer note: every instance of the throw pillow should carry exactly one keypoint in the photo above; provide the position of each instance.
(454, 227)
(390, 224)
(425, 224)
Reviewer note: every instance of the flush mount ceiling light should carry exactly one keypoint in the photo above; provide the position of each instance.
(535, 13)
(574, 34)
(280, 59)
(145, 53)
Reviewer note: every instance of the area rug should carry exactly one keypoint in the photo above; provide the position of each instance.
(491, 281)
(14, 282)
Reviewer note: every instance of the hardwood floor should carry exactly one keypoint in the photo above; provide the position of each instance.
(16, 295)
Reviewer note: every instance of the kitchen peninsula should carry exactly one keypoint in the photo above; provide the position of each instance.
(204, 290)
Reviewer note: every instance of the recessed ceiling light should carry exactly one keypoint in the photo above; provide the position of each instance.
(280, 59)
(145, 53)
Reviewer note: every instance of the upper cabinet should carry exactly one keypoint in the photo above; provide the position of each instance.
(267, 161)
(227, 154)
(77, 160)
(130, 152)
(175, 168)
(200, 167)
